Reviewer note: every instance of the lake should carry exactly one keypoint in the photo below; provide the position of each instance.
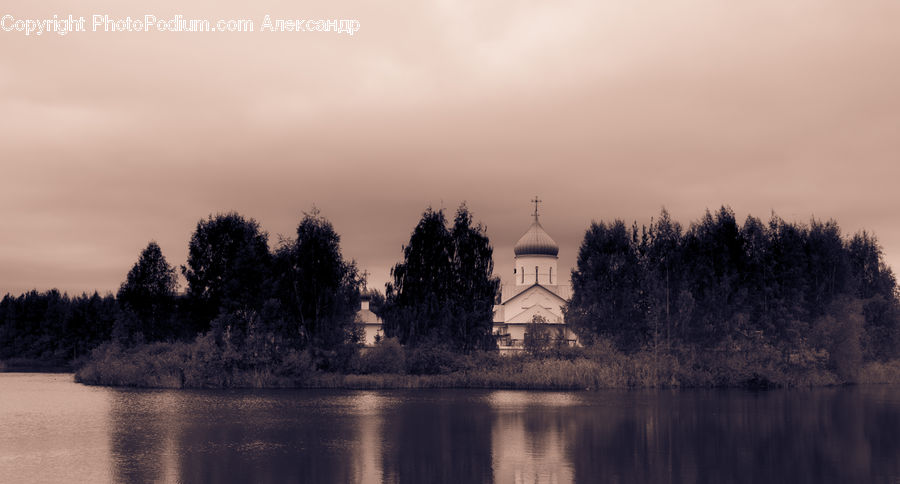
(55, 430)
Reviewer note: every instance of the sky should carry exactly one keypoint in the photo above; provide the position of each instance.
(605, 109)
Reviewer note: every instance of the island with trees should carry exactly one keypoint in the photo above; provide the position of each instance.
(718, 303)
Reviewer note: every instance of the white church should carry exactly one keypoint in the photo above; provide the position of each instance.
(538, 294)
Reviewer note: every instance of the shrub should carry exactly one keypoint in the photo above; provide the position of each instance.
(602, 351)
(486, 360)
(433, 359)
(537, 336)
(839, 333)
(387, 356)
(296, 364)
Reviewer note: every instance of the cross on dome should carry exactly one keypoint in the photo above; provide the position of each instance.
(536, 201)
(536, 241)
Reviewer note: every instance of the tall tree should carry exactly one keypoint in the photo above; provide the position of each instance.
(443, 291)
(872, 276)
(606, 287)
(417, 302)
(875, 284)
(227, 267)
(318, 288)
(829, 266)
(714, 252)
(662, 278)
(474, 285)
(149, 292)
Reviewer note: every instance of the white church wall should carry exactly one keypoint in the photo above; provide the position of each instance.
(528, 314)
(546, 270)
(534, 296)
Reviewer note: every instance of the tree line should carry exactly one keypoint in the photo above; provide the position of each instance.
(302, 295)
(803, 290)
(723, 285)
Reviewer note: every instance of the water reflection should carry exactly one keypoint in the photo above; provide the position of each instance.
(829, 435)
(54, 428)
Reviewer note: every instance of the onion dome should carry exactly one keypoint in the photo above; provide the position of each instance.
(536, 241)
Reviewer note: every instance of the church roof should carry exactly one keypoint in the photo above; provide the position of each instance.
(366, 316)
(536, 241)
(529, 289)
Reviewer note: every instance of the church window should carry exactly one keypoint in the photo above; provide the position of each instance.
(551, 275)
(535, 274)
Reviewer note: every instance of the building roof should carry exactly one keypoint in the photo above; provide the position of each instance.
(529, 289)
(366, 316)
(536, 241)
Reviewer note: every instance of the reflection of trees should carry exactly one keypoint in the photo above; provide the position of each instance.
(232, 437)
(821, 436)
(438, 440)
(140, 446)
(269, 437)
(831, 435)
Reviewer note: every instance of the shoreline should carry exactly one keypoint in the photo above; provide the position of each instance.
(332, 381)
(157, 369)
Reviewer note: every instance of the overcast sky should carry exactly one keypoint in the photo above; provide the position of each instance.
(604, 108)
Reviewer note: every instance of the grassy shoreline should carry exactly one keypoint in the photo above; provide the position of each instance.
(193, 365)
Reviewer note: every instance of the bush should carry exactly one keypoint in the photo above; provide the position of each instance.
(568, 352)
(296, 364)
(537, 336)
(881, 372)
(839, 333)
(602, 351)
(342, 359)
(486, 360)
(387, 356)
(433, 359)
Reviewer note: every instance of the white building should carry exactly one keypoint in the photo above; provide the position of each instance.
(538, 292)
(368, 323)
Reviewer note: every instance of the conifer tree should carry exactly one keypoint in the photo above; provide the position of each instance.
(149, 293)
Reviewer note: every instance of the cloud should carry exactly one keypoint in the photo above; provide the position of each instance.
(605, 109)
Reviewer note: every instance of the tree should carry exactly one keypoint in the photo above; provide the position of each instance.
(874, 283)
(839, 332)
(149, 292)
(871, 275)
(318, 288)
(52, 327)
(829, 266)
(443, 291)
(713, 252)
(474, 285)
(227, 267)
(662, 275)
(416, 301)
(606, 287)
(537, 336)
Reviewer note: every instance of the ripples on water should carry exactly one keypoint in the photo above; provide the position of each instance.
(53, 430)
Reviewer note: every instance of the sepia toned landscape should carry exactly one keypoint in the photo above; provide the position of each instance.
(449, 242)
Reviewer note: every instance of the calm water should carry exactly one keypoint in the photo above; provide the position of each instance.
(54, 430)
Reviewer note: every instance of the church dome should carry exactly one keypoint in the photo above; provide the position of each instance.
(536, 241)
